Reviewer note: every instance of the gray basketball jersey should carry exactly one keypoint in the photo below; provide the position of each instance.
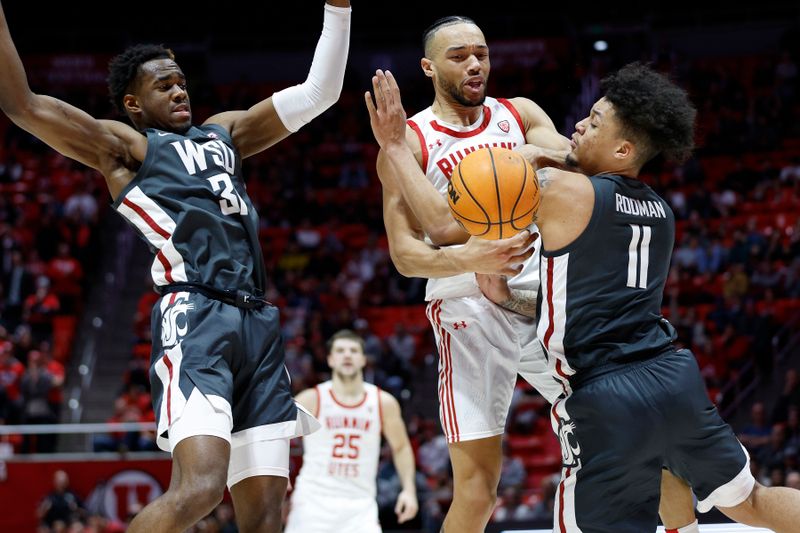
(188, 202)
(600, 297)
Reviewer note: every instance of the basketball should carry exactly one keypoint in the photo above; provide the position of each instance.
(493, 193)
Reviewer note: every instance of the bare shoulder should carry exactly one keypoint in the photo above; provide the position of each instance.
(389, 404)
(309, 399)
(530, 112)
(563, 192)
(556, 181)
(226, 119)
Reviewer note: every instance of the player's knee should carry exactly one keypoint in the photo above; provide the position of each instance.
(477, 494)
(266, 518)
(200, 496)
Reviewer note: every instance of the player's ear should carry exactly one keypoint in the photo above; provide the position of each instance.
(131, 104)
(626, 150)
(427, 66)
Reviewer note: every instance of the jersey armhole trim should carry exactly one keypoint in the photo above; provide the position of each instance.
(317, 406)
(514, 112)
(153, 145)
(413, 125)
(380, 409)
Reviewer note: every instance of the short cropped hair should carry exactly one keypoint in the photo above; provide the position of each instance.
(427, 35)
(654, 111)
(347, 334)
(123, 69)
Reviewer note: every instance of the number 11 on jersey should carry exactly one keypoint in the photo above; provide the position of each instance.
(639, 256)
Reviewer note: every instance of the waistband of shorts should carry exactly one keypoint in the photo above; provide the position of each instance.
(238, 298)
(581, 379)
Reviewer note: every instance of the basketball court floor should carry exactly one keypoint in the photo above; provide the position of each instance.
(704, 528)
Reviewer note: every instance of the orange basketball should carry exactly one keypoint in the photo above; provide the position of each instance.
(493, 193)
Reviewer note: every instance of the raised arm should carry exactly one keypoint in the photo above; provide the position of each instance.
(286, 111)
(100, 144)
(394, 430)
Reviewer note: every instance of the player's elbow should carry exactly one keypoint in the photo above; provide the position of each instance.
(19, 109)
(402, 262)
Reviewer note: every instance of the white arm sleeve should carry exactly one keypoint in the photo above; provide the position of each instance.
(297, 105)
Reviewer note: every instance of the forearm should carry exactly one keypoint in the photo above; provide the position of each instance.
(406, 470)
(414, 258)
(427, 204)
(298, 105)
(411, 255)
(14, 90)
(521, 301)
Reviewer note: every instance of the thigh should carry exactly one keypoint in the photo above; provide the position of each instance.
(200, 461)
(478, 363)
(612, 455)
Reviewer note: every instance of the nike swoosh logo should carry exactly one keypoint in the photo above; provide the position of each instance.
(161, 133)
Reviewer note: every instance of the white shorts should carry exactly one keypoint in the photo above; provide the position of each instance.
(482, 347)
(248, 458)
(317, 513)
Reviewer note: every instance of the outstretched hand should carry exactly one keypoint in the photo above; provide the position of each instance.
(386, 114)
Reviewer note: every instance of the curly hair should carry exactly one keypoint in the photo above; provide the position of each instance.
(123, 69)
(427, 35)
(653, 110)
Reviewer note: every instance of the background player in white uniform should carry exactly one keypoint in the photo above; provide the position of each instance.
(482, 347)
(335, 489)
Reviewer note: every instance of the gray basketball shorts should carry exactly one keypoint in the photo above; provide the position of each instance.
(211, 357)
(619, 429)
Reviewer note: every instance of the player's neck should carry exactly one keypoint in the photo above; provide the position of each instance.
(454, 113)
(348, 388)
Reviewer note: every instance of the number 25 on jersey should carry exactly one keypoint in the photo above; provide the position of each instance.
(345, 446)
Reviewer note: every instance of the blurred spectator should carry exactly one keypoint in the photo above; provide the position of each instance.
(511, 507)
(61, 505)
(757, 434)
(39, 309)
(35, 389)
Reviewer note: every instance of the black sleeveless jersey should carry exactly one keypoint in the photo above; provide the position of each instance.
(188, 202)
(600, 297)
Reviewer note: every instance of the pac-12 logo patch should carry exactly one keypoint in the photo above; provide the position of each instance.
(504, 125)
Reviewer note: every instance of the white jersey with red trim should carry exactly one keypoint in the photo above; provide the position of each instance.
(341, 459)
(443, 146)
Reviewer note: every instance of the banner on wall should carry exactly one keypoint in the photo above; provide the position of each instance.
(113, 488)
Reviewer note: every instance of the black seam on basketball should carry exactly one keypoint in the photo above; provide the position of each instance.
(497, 190)
(488, 218)
(521, 190)
(510, 221)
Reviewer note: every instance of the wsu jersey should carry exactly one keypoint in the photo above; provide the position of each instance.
(189, 203)
(601, 295)
(443, 146)
(341, 459)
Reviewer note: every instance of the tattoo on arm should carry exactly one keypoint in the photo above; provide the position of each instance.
(522, 302)
(545, 176)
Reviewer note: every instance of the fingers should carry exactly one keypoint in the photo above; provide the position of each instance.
(370, 105)
(387, 93)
